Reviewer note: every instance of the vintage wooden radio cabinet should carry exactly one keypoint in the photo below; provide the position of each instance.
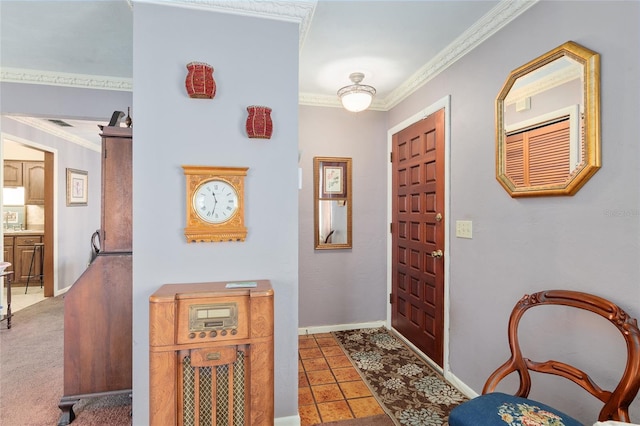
(211, 354)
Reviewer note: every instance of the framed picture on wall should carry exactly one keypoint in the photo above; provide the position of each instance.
(333, 180)
(77, 187)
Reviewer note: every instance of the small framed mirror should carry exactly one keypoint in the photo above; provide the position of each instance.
(548, 123)
(332, 202)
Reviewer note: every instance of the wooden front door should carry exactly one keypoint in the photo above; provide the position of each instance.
(418, 226)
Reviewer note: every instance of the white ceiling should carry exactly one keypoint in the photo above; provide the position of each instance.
(398, 45)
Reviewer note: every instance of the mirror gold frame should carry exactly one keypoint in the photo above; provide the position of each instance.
(332, 202)
(581, 134)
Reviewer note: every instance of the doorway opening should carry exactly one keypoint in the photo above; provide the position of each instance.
(28, 198)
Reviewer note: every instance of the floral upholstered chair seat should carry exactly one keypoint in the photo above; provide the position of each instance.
(508, 410)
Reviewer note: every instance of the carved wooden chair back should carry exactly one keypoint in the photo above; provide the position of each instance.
(616, 402)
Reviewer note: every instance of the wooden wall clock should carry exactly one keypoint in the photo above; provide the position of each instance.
(215, 204)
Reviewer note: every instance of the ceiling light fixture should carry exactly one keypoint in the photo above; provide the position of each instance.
(356, 97)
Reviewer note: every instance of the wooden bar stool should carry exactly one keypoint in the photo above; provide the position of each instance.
(37, 248)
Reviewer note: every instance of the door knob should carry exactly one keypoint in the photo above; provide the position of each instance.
(437, 253)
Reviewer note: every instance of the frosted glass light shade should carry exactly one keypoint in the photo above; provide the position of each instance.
(356, 101)
(357, 97)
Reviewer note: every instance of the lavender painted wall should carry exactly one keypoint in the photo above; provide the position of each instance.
(172, 130)
(349, 285)
(588, 242)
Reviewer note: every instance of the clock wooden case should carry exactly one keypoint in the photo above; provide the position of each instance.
(215, 203)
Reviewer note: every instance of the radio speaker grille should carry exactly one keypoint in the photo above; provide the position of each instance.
(214, 396)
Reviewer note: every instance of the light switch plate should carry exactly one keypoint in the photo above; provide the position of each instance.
(464, 229)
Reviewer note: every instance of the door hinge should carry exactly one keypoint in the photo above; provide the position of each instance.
(391, 228)
(391, 157)
(391, 298)
(104, 152)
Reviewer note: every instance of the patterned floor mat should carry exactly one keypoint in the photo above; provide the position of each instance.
(411, 392)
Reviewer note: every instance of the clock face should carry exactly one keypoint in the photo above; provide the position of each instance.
(215, 201)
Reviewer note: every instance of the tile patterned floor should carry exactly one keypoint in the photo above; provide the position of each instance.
(329, 388)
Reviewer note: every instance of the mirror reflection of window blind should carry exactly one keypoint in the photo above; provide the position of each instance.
(539, 156)
(515, 168)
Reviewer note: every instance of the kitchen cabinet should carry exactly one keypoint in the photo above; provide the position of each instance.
(22, 254)
(18, 250)
(30, 175)
(33, 181)
(12, 173)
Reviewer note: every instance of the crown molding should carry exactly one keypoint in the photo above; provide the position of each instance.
(299, 11)
(485, 27)
(293, 11)
(28, 76)
(302, 13)
(56, 131)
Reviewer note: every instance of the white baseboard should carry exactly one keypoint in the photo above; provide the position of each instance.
(460, 385)
(339, 327)
(448, 375)
(61, 291)
(287, 421)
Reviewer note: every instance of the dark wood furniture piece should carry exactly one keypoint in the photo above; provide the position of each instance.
(7, 281)
(98, 307)
(211, 355)
(481, 410)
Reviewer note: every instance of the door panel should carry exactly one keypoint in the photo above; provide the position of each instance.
(417, 232)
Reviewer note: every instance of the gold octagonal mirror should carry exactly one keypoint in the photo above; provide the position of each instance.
(548, 123)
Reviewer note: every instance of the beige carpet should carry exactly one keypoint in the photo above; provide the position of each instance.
(31, 369)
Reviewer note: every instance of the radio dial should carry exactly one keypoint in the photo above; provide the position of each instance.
(192, 335)
(213, 333)
(213, 318)
(234, 332)
(224, 332)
